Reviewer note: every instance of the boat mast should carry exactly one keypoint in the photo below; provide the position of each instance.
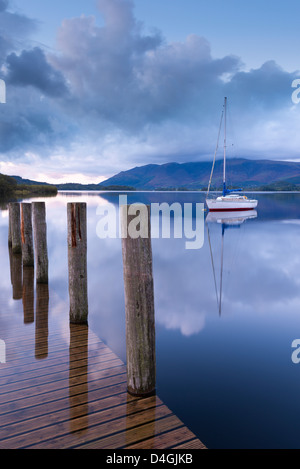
(224, 162)
(217, 147)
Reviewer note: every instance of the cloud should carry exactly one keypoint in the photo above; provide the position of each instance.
(130, 79)
(15, 30)
(32, 68)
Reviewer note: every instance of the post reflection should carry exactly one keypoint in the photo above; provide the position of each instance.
(41, 321)
(78, 380)
(227, 220)
(16, 274)
(28, 294)
(138, 412)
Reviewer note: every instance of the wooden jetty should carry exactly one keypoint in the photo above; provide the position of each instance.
(62, 387)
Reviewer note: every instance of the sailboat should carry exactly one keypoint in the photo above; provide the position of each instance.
(229, 200)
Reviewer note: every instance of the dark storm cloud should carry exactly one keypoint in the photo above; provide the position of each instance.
(132, 79)
(32, 68)
(31, 123)
(266, 88)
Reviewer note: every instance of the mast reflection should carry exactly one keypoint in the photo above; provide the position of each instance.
(227, 220)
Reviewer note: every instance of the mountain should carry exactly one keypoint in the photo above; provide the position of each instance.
(29, 182)
(240, 172)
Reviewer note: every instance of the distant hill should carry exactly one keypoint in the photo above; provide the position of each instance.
(28, 182)
(250, 174)
(241, 172)
(14, 187)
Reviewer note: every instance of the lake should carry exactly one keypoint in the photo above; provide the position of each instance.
(227, 313)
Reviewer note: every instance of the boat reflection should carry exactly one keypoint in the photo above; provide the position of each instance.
(227, 220)
(231, 218)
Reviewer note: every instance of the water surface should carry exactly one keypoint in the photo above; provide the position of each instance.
(223, 357)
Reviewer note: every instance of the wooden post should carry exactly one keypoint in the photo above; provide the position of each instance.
(139, 304)
(26, 235)
(77, 262)
(15, 226)
(40, 241)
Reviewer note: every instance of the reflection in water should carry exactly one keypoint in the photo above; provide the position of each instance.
(148, 431)
(28, 294)
(227, 220)
(16, 274)
(78, 369)
(41, 320)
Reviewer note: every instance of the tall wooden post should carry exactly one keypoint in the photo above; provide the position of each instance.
(26, 235)
(40, 241)
(77, 262)
(139, 303)
(15, 227)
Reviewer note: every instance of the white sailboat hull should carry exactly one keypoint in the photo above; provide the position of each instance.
(222, 204)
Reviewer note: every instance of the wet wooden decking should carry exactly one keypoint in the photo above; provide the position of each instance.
(67, 390)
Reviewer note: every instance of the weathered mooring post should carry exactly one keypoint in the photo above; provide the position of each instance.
(15, 227)
(139, 301)
(26, 235)
(77, 262)
(40, 241)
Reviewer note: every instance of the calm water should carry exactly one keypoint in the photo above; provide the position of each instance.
(225, 371)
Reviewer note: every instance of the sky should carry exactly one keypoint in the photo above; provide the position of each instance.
(95, 87)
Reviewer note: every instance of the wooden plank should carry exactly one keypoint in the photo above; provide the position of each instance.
(15, 424)
(132, 435)
(193, 444)
(42, 393)
(103, 396)
(57, 371)
(97, 436)
(51, 382)
(180, 437)
(84, 426)
(76, 397)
